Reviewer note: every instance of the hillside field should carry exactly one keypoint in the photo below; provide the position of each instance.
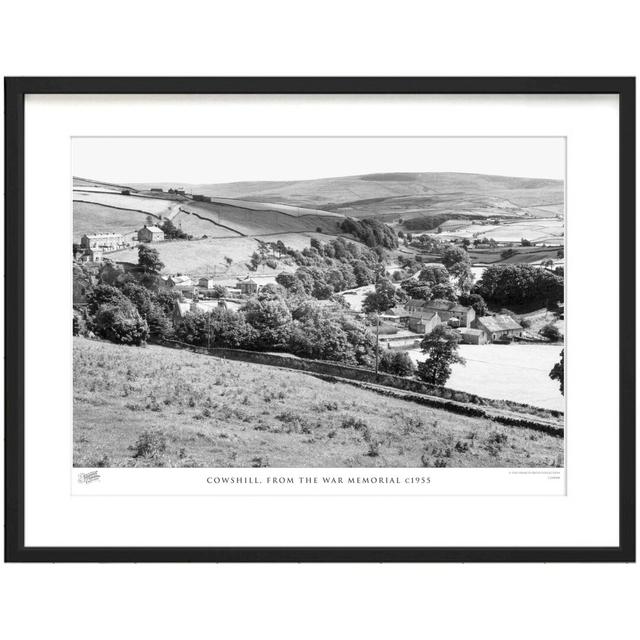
(155, 406)
(199, 257)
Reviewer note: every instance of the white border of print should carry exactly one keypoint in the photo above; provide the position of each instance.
(586, 516)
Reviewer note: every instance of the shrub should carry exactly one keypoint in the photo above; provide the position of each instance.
(121, 323)
(551, 333)
(398, 363)
(151, 443)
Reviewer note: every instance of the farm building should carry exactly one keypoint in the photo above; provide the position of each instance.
(150, 234)
(206, 283)
(397, 315)
(498, 327)
(248, 287)
(182, 308)
(424, 321)
(103, 241)
(445, 309)
(473, 336)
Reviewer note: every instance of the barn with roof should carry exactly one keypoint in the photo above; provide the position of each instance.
(444, 308)
(150, 234)
(498, 327)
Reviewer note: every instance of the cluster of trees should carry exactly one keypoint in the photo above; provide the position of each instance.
(383, 297)
(520, 284)
(130, 313)
(433, 283)
(398, 363)
(371, 232)
(129, 307)
(330, 268)
(171, 232)
(273, 321)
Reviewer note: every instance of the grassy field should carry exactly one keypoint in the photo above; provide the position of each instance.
(159, 407)
(518, 372)
(199, 257)
(96, 218)
(154, 206)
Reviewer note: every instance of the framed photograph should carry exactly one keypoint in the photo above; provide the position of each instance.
(320, 319)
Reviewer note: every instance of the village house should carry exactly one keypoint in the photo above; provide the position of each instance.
(424, 321)
(444, 308)
(248, 287)
(206, 283)
(397, 315)
(102, 241)
(498, 327)
(150, 234)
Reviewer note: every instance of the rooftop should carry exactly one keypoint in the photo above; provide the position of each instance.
(153, 229)
(499, 323)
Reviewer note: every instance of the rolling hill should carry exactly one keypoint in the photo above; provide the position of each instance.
(348, 189)
(395, 198)
(270, 210)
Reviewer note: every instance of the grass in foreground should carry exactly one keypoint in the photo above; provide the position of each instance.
(156, 407)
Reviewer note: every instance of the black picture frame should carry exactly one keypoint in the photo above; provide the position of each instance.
(15, 91)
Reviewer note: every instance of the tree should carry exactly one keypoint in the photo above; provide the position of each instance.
(441, 347)
(509, 284)
(272, 322)
(398, 363)
(461, 272)
(121, 323)
(443, 292)
(218, 328)
(172, 232)
(453, 255)
(475, 301)
(149, 259)
(417, 290)
(383, 298)
(557, 373)
(290, 282)
(551, 332)
(103, 294)
(320, 335)
(433, 275)
(525, 243)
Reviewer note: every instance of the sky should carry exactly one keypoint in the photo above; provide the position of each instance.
(219, 160)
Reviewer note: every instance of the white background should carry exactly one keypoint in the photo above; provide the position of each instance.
(329, 38)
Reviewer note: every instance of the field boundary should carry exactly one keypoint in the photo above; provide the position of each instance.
(506, 412)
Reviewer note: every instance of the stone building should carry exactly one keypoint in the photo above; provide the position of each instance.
(498, 327)
(103, 241)
(150, 234)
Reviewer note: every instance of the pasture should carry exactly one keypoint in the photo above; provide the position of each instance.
(154, 206)
(96, 218)
(549, 230)
(153, 406)
(518, 372)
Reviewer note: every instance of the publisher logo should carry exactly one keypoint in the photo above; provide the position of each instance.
(87, 478)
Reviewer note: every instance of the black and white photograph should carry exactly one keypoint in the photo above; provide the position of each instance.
(318, 302)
